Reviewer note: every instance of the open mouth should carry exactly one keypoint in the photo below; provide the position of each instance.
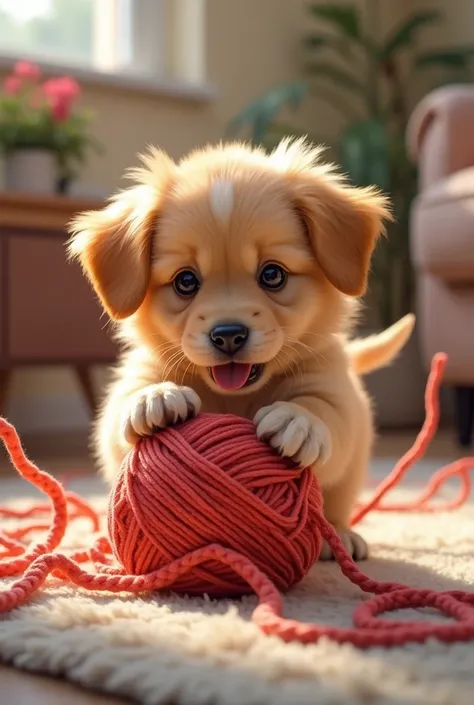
(235, 375)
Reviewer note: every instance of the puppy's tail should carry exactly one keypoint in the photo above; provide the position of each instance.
(368, 354)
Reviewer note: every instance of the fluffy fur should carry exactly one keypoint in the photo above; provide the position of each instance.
(223, 213)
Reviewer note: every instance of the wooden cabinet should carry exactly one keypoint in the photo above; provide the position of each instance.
(49, 314)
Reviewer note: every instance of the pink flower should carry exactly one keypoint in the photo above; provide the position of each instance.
(12, 85)
(61, 110)
(64, 87)
(27, 70)
(61, 94)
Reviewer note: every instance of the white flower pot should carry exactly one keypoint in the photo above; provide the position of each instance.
(30, 171)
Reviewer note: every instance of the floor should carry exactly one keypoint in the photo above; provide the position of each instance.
(70, 453)
(22, 688)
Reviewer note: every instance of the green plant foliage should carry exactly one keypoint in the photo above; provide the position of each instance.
(343, 18)
(364, 78)
(314, 42)
(260, 114)
(22, 127)
(365, 153)
(73, 142)
(405, 34)
(335, 74)
(42, 114)
(456, 58)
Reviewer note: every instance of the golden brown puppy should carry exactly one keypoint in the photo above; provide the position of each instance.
(235, 275)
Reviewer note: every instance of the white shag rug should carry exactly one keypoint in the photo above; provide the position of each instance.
(164, 649)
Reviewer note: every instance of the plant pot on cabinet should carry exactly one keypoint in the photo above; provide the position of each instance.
(30, 171)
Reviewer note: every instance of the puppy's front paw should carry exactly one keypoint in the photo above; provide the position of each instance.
(158, 406)
(294, 432)
(353, 543)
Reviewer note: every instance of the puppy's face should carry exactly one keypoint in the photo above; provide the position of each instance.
(233, 279)
(229, 261)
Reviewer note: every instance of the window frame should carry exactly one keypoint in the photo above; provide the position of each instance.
(177, 69)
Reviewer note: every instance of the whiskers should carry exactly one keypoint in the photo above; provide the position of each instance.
(173, 362)
(285, 363)
(315, 354)
(193, 371)
(166, 347)
(291, 360)
(294, 354)
(171, 353)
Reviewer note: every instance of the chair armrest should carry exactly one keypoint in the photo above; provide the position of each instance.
(440, 133)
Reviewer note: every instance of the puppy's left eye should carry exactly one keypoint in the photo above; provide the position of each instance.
(272, 276)
(186, 283)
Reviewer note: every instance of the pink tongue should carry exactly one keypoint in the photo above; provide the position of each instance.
(231, 376)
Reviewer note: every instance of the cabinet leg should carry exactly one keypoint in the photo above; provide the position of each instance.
(465, 415)
(5, 379)
(84, 377)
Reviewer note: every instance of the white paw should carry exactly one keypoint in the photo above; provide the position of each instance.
(294, 432)
(158, 406)
(353, 543)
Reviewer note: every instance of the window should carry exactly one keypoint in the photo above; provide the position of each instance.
(145, 38)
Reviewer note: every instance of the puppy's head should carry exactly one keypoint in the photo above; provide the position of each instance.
(232, 263)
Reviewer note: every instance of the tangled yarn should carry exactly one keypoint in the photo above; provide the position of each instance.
(207, 507)
(212, 481)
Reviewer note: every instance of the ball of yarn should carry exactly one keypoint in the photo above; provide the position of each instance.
(207, 481)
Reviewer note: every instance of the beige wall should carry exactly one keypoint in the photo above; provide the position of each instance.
(251, 45)
(458, 26)
(455, 29)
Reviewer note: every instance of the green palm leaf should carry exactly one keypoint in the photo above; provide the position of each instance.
(315, 42)
(404, 35)
(279, 130)
(259, 115)
(335, 99)
(455, 58)
(335, 74)
(342, 17)
(365, 154)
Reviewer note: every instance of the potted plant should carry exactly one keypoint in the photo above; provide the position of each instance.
(44, 137)
(366, 77)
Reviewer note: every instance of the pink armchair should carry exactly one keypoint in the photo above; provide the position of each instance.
(441, 140)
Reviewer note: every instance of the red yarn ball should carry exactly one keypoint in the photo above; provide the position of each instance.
(211, 480)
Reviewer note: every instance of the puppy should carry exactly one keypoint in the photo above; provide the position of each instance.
(235, 277)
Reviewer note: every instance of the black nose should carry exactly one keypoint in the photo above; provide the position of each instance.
(229, 337)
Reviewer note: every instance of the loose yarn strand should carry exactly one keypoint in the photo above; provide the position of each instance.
(459, 468)
(225, 475)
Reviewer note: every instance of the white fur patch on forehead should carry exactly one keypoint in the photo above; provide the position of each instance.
(221, 196)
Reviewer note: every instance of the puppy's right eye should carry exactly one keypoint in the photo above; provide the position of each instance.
(186, 283)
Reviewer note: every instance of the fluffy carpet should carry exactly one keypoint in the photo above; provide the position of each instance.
(162, 649)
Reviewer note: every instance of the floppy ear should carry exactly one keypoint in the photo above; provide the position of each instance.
(343, 224)
(113, 245)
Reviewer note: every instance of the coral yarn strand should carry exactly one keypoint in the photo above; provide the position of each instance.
(35, 575)
(37, 562)
(49, 486)
(460, 468)
(12, 546)
(369, 630)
